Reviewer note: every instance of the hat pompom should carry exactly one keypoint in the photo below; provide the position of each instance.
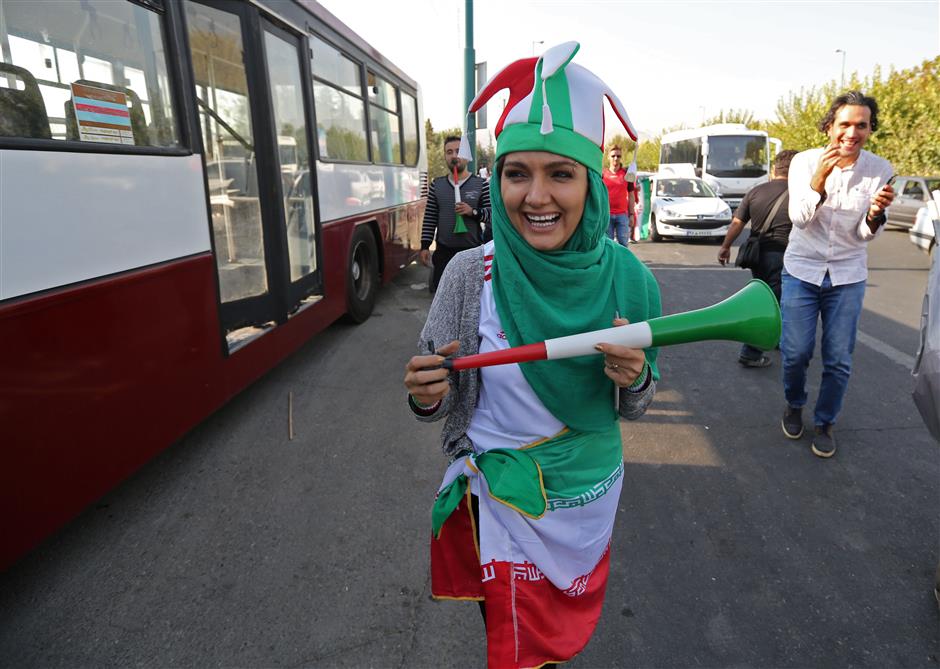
(464, 152)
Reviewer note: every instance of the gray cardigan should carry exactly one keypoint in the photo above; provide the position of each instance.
(455, 314)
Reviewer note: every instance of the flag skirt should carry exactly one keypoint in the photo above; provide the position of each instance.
(538, 555)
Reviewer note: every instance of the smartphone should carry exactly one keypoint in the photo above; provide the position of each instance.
(890, 182)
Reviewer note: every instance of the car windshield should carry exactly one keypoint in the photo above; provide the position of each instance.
(684, 188)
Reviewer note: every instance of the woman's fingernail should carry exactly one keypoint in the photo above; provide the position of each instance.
(598, 347)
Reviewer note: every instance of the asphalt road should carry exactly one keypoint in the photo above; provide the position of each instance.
(734, 546)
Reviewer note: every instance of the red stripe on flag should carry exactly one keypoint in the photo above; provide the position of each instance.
(549, 625)
(103, 110)
(455, 563)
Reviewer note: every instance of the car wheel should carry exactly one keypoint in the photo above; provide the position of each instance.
(654, 231)
(362, 275)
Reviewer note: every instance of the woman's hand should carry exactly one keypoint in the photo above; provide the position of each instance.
(429, 386)
(622, 365)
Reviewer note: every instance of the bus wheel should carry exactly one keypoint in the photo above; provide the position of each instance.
(654, 231)
(362, 275)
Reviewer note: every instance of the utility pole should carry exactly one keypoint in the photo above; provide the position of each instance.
(469, 83)
(842, 80)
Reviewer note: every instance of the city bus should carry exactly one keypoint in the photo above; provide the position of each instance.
(729, 157)
(189, 191)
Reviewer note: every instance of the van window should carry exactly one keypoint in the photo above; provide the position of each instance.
(912, 189)
(90, 71)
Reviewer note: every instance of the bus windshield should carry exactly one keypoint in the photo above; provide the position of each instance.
(683, 188)
(736, 156)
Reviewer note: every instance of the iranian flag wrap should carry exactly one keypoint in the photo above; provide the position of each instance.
(546, 512)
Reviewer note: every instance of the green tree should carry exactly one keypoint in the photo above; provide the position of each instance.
(908, 132)
(744, 116)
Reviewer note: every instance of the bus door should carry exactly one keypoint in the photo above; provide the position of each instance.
(251, 103)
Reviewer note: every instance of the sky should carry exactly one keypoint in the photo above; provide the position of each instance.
(670, 62)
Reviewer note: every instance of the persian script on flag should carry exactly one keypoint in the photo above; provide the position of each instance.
(102, 115)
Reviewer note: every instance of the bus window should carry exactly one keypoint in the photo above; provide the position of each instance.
(383, 121)
(341, 112)
(409, 124)
(91, 71)
(737, 156)
(215, 38)
(287, 96)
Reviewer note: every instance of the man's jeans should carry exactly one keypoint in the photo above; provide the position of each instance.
(768, 270)
(620, 224)
(801, 305)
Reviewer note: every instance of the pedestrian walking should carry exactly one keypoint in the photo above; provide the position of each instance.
(766, 208)
(838, 197)
(523, 518)
(457, 213)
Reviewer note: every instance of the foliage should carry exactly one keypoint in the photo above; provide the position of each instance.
(744, 116)
(647, 157)
(908, 132)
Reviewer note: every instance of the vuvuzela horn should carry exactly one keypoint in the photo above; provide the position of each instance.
(750, 316)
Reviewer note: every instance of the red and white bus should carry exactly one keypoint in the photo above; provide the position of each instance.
(189, 190)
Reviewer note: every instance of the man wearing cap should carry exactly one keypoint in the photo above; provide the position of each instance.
(457, 225)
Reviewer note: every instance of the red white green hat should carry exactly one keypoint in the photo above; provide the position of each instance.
(554, 105)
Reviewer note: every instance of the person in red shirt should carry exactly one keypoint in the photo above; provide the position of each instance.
(618, 191)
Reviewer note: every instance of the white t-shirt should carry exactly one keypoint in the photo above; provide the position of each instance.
(508, 413)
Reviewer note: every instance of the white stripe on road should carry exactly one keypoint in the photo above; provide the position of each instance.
(893, 354)
(887, 350)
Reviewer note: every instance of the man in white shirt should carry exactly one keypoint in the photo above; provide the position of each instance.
(838, 197)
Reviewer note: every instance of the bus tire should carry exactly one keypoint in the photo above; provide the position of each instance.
(654, 231)
(362, 275)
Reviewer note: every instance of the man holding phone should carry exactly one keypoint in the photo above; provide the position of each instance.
(838, 197)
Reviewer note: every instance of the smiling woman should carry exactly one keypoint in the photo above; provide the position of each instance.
(523, 518)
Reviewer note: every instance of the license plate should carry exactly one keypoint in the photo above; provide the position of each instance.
(698, 233)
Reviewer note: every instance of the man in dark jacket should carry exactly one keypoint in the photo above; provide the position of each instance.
(756, 207)
(440, 216)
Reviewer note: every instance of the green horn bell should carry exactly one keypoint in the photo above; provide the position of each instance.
(750, 316)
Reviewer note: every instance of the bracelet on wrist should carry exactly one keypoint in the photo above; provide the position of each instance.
(642, 381)
(422, 409)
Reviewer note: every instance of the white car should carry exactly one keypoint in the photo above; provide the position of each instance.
(686, 207)
(923, 233)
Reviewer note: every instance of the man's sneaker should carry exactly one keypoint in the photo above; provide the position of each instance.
(824, 443)
(762, 361)
(792, 422)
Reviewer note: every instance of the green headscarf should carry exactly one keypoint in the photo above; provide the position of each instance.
(581, 287)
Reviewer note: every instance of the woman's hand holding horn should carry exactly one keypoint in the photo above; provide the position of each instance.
(622, 365)
(425, 379)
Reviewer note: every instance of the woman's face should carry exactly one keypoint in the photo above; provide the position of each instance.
(544, 195)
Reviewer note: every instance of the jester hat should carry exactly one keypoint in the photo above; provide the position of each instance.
(554, 105)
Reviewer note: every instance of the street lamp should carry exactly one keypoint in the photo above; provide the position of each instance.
(539, 42)
(842, 81)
